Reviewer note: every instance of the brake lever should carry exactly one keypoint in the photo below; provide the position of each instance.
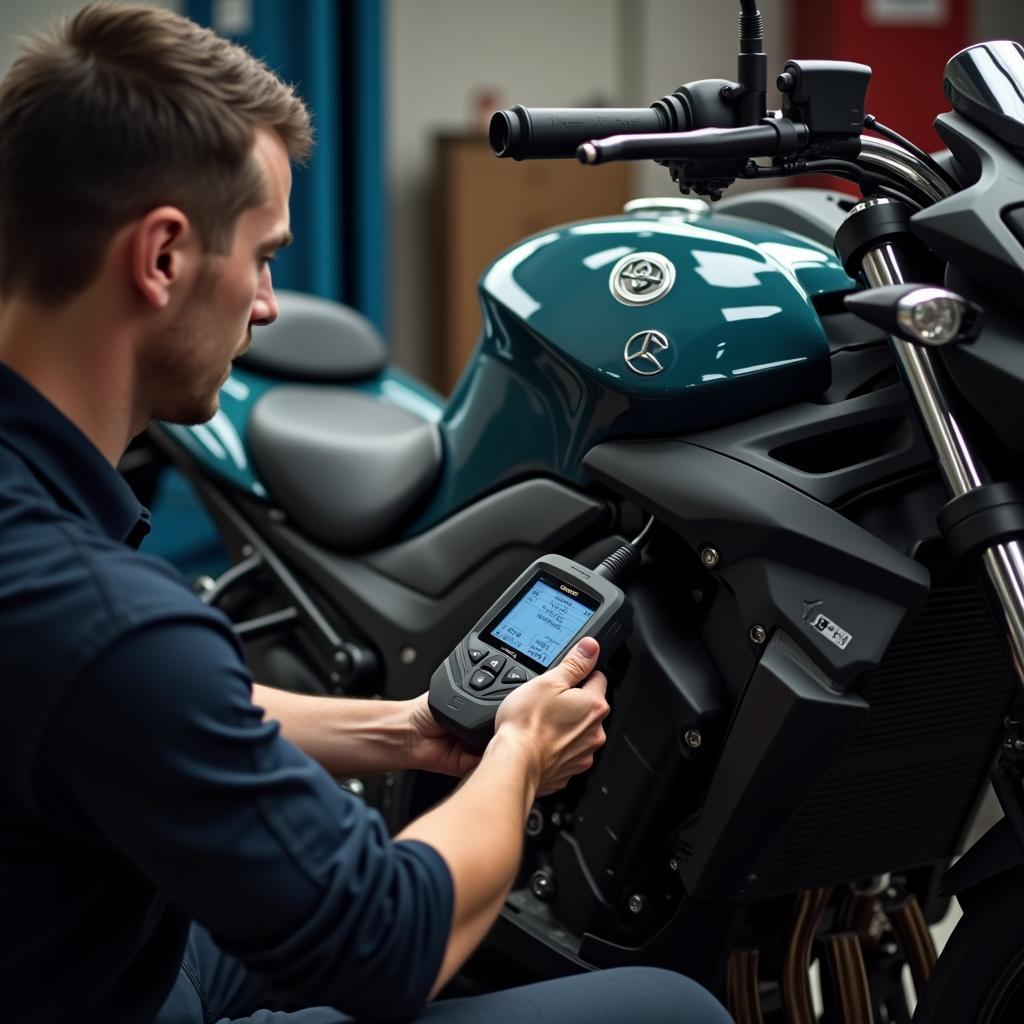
(773, 137)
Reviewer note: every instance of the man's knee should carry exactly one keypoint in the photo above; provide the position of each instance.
(659, 996)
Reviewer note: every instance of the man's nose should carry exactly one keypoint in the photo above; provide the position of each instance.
(264, 306)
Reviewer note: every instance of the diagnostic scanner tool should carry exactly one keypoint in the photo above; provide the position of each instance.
(551, 606)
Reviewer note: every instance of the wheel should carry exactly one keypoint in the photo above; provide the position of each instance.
(979, 978)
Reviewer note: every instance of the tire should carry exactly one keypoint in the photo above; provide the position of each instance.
(979, 978)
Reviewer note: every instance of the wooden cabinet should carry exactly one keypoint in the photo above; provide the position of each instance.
(485, 206)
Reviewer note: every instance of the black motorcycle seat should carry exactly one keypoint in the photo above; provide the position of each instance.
(316, 339)
(346, 467)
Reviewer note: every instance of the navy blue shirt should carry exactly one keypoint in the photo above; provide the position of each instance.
(140, 788)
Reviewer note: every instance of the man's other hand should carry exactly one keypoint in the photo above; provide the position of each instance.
(558, 717)
(431, 747)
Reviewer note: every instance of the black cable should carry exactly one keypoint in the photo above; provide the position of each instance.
(622, 560)
(868, 182)
(644, 535)
(872, 123)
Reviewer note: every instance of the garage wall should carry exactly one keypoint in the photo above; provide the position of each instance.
(442, 53)
(682, 41)
(18, 17)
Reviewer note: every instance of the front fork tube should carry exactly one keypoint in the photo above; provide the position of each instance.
(891, 263)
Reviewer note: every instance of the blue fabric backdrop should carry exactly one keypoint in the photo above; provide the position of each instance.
(334, 52)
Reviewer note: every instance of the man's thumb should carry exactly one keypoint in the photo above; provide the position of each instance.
(579, 662)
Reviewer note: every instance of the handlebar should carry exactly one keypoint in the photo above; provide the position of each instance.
(551, 132)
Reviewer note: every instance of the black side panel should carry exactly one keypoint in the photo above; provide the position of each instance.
(995, 853)
(812, 212)
(413, 630)
(646, 771)
(789, 729)
(532, 513)
(968, 229)
(989, 373)
(789, 561)
(829, 451)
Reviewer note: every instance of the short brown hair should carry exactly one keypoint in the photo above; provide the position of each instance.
(118, 110)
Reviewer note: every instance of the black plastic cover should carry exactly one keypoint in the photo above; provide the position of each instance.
(789, 561)
(995, 853)
(789, 729)
(990, 372)
(812, 212)
(985, 83)
(968, 229)
(531, 515)
(826, 95)
(1014, 217)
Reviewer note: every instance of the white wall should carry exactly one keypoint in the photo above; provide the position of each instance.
(685, 40)
(441, 52)
(19, 17)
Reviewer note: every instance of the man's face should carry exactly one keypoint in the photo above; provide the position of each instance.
(187, 365)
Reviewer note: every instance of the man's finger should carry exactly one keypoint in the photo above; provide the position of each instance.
(578, 663)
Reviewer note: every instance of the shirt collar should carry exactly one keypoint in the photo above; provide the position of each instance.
(67, 462)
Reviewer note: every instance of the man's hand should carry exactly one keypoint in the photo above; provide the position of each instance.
(558, 717)
(545, 732)
(431, 747)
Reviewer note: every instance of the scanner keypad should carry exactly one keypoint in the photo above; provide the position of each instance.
(492, 675)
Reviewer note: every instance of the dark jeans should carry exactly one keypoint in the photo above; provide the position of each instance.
(214, 987)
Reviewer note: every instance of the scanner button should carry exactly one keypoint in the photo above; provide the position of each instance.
(475, 654)
(495, 663)
(515, 675)
(480, 680)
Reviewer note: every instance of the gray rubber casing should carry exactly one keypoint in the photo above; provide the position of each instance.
(469, 715)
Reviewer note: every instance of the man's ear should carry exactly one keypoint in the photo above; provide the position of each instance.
(160, 252)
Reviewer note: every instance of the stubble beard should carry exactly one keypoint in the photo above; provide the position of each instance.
(175, 374)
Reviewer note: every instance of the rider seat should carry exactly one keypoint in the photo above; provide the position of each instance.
(314, 339)
(346, 467)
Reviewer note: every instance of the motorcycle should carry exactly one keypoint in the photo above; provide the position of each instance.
(825, 667)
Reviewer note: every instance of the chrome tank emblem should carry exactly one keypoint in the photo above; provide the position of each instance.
(640, 352)
(641, 278)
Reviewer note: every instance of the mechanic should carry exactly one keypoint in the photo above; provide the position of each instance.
(172, 844)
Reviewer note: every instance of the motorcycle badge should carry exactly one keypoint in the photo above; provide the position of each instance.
(640, 352)
(642, 278)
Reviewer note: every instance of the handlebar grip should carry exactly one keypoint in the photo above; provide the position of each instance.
(550, 132)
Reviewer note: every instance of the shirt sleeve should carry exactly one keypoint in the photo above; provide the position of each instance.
(160, 753)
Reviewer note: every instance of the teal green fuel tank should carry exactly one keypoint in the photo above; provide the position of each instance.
(647, 324)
